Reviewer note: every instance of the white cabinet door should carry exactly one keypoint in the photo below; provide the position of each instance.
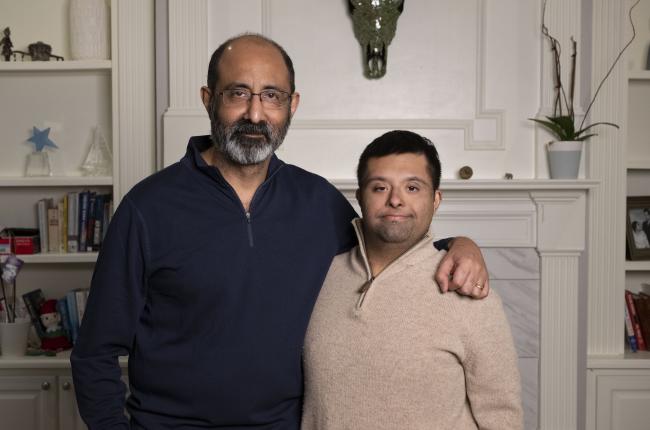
(28, 402)
(69, 418)
(622, 399)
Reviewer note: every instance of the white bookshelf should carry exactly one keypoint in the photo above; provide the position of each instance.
(639, 75)
(53, 257)
(71, 98)
(55, 181)
(637, 266)
(54, 66)
(628, 360)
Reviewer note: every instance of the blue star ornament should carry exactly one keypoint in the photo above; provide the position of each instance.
(41, 139)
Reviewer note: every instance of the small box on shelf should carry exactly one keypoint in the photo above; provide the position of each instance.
(20, 241)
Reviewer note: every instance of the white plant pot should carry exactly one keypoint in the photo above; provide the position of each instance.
(13, 338)
(564, 159)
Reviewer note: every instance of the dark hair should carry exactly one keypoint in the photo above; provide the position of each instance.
(634, 224)
(401, 142)
(213, 72)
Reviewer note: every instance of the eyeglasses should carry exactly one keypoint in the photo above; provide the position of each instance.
(270, 98)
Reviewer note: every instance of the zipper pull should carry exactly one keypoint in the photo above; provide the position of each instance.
(248, 217)
(366, 285)
(363, 290)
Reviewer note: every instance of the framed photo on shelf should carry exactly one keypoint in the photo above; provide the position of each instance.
(638, 227)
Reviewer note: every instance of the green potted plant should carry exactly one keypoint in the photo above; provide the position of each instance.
(566, 150)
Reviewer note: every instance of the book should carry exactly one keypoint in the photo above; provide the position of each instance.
(62, 309)
(33, 301)
(90, 226)
(63, 224)
(98, 221)
(84, 198)
(108, 212)
(71, 301)
(640, 341)
(81, 295)
(41, 206)
(642, 304)
(73, 222)
(629, 331)
(53, 229)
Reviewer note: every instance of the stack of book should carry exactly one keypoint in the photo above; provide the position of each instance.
(76, 223)
(637, 320)
(71, 309)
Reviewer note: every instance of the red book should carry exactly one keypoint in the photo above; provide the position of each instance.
(631, 309)
(642, 304)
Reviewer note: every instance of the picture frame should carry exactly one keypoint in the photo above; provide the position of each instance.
(638, 227)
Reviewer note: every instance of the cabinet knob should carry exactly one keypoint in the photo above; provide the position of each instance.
(66, 386)
(45, 386)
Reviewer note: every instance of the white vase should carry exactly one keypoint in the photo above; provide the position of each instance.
(89, 30)
(13, 338)
(564, 159)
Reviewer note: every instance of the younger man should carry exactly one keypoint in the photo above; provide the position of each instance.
(384, 348)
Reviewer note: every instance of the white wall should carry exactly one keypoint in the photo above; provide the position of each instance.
(463, 72)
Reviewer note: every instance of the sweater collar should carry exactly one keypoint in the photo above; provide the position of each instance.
(198, 144)
(401, 262)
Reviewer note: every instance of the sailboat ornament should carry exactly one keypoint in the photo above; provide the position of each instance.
(99, 161)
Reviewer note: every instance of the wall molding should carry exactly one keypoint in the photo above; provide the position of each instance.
(482, 112)
(606, 162)
(133, 92)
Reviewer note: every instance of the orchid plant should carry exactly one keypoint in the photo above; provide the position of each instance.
(562, 124)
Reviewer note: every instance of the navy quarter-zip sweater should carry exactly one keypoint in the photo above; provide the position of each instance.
(210, 303)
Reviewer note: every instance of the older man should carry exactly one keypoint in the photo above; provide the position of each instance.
(211, 267)
(385, 349)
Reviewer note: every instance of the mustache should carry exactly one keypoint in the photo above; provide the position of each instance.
(244, 126)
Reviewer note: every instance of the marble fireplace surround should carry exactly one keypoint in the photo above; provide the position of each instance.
(532, 233)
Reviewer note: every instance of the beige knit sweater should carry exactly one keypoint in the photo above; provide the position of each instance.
(403, 356)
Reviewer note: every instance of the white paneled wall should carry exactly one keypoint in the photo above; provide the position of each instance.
(459, 72)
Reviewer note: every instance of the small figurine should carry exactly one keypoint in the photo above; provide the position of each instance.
(55, 339)
(465, 172)
(6, 44)
(38, 162)
(39, 51)
(99, 161)
(508, 176)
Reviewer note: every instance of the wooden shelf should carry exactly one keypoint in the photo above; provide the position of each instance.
(52, 257)
(55, 66)
(628, 360)
(60, 361)
(637, 266)
(55, 181)
(639, 75)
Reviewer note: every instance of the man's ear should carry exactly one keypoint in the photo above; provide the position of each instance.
(357, 194)
(206, 97)
(295, 101)
(437, 198)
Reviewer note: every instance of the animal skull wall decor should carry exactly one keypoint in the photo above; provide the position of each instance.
(375, 22)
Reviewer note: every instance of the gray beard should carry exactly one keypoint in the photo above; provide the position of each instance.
(245, 151)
